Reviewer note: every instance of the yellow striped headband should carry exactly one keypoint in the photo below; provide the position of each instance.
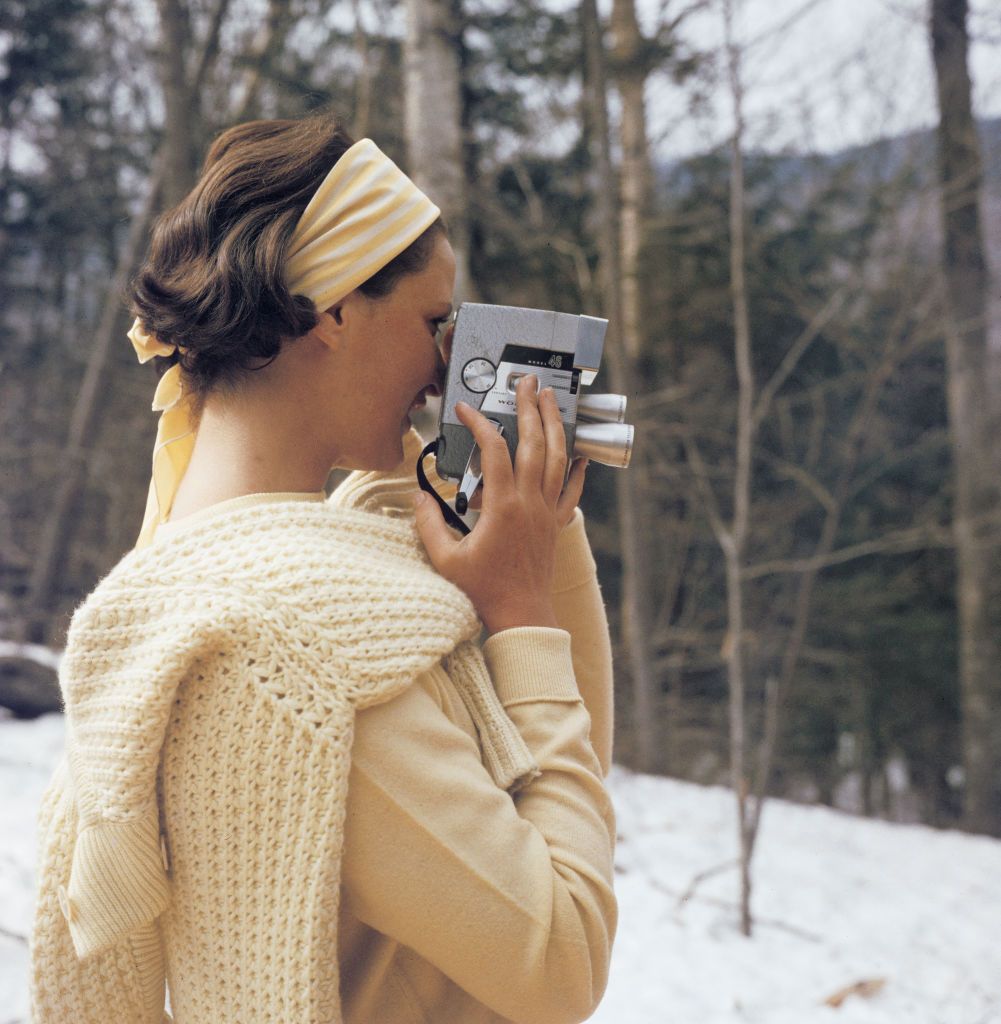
(365, 213)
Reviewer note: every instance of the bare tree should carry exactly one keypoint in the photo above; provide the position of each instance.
(631, 72)
(267, 43)
(363, 85)
(974, 420)
(84, 420)
(434, 118)
(635, 559)
(733, 540)
(179, 140)
(752, 762)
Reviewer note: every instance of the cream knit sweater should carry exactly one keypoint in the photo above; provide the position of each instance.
(220, 673)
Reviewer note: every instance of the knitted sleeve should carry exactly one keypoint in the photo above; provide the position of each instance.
(127, 974)
(509, 897)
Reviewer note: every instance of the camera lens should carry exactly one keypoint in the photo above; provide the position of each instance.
(611, 444)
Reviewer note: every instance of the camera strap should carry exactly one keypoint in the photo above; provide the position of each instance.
(451, 517)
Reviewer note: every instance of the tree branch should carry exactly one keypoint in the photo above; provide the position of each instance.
(810, 333)
(913, 539)
(723, 535)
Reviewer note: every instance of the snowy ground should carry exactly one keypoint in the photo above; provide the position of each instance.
(839, 900)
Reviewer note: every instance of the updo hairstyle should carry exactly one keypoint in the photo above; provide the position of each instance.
(213, 280)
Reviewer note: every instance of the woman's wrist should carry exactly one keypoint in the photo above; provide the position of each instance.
(540, 615)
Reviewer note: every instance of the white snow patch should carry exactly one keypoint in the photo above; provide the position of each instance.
(44, 656)
(838, 900)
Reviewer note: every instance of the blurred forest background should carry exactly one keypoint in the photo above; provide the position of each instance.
(802, 565)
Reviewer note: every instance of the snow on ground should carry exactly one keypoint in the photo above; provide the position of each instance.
(838, 899)
(28, 753)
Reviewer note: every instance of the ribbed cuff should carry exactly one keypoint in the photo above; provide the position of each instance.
(574, 562)
(531, 663)
(118, 882)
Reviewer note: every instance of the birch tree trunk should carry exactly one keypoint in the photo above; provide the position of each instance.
(433, 119)
(634, 186)
(636, 590)
(736, 541)
(974, 421)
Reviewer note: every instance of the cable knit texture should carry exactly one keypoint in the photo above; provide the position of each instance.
(214, 681)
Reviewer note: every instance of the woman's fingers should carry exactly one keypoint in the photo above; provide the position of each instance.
(495, 461)
(435, 533)
(541, 456)
(530, 456)
(556, 447)
(570, 498)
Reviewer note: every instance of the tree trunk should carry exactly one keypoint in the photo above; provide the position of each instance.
(734, 550)
(433, 119)
(267, 44)
(363, 86)
(635, 175)
(974, 422)
(82, 425)
(180, 170)
(636, 590)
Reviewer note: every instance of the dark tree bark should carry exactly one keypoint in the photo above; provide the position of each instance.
(267, 45)
(974, 421)
(179, 139)
(83, 424)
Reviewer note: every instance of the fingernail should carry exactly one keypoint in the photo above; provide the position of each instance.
(419, 499)
(462, 404)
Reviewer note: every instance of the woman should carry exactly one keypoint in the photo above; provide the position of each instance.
(297, 786)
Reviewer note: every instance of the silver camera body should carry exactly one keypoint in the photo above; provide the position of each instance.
(493, 347)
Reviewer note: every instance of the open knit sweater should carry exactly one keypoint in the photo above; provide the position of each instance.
(212, 683)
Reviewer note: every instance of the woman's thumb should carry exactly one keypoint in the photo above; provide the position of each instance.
(431, 528)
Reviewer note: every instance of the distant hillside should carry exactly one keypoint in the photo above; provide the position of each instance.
(885, 158)
(918, 148)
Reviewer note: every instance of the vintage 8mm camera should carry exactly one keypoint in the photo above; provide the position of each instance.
(492, 348)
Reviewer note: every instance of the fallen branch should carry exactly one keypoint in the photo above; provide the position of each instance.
(730, 905)
(16, 936)
(701, 877)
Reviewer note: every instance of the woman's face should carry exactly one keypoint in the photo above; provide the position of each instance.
(389, 361)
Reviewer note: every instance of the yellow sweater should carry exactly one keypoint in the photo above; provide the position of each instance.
(213, 684)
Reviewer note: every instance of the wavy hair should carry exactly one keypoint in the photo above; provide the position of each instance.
(213, 279)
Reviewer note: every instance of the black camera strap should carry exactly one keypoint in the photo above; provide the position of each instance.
(450, 515)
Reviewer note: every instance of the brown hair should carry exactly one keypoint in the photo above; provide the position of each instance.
(213, 278)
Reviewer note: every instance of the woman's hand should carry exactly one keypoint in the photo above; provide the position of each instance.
(505, 565)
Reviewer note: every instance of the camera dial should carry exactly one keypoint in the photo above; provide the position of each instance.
(479, 375)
